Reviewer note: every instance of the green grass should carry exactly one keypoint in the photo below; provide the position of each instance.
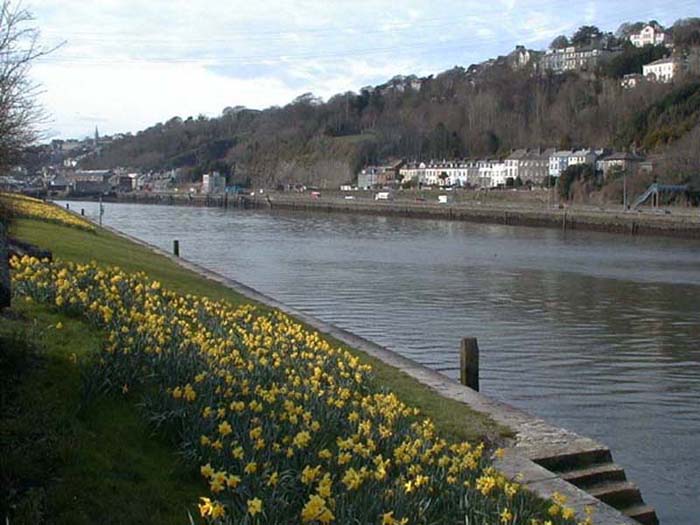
(66, 462)
(452, 418)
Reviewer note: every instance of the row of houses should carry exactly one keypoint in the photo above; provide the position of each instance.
(588, 58)
(534, 167)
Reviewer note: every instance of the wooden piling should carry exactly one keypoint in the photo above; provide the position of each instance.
(176, 248)
(469, 363)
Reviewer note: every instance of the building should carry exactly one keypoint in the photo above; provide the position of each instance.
(213, 183)
(632, 80)
(663, 70)
(620, 162)
(533, 167)
(492, 173)
(582, 156)
(413, 172)
(585, 58)
(513, 162)
(558, 162)
(367, 178)
(650, 35)
(127, 183)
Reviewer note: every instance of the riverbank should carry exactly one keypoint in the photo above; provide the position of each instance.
(547, 459)
(535, 436)
(481, 207)
(46, 235)
(684, 225)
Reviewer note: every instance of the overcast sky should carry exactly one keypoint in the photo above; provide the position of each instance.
(128, 64)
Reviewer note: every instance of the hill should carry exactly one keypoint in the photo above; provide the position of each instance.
(483, 111)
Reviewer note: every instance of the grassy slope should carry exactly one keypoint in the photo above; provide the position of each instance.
(61, 464)
(452, 418)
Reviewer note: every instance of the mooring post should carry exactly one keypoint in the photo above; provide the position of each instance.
(469, 363)
(176, 248)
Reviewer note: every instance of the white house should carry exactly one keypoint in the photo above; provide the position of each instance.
(651, 34)
(513, 162)
(413, 172)
(663, 70)
(632, 80)
(213, 182)
(582, 156)
(558, 162)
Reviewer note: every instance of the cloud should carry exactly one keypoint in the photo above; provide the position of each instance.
(134, 96)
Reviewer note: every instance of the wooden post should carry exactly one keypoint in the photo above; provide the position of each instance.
(82, 212)
(176, 248)
(469, 363)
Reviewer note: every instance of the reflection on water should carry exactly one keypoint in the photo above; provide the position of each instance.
(598, 333)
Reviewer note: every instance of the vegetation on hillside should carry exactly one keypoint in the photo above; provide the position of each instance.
(665, 120)
(482, 111)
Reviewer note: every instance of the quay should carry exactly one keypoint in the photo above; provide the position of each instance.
(677, 222)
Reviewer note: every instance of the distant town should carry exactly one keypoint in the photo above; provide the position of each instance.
(56, 168)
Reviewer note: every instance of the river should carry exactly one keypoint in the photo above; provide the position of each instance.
(598, 333)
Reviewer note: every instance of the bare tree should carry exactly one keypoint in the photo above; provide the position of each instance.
(20, 114)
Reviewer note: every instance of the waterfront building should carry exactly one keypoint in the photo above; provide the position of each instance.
(213, 183)
(413, 172)
(558, 162)
(582, 156)
(378, 176)
(534, 166)
(621, 162)
(492, 173)
(513, 162)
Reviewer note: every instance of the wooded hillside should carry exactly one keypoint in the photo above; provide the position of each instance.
(483, 111)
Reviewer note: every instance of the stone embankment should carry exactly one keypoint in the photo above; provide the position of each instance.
(546, 458)
(673, 222)
(678, 223)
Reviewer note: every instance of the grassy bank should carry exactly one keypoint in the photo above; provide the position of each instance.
(184, 358)
(65, 462)
(452, 418)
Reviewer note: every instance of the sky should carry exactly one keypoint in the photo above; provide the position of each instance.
(124, 65)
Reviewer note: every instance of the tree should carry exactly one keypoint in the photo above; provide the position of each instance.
(586, 35)
(686, 32)
(570, 175)
(632, 59)
(20, 114)
(559, 42)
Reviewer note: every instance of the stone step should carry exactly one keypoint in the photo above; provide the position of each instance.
(644, 514)
(594, 474)
(576, 460)
(618, 494)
